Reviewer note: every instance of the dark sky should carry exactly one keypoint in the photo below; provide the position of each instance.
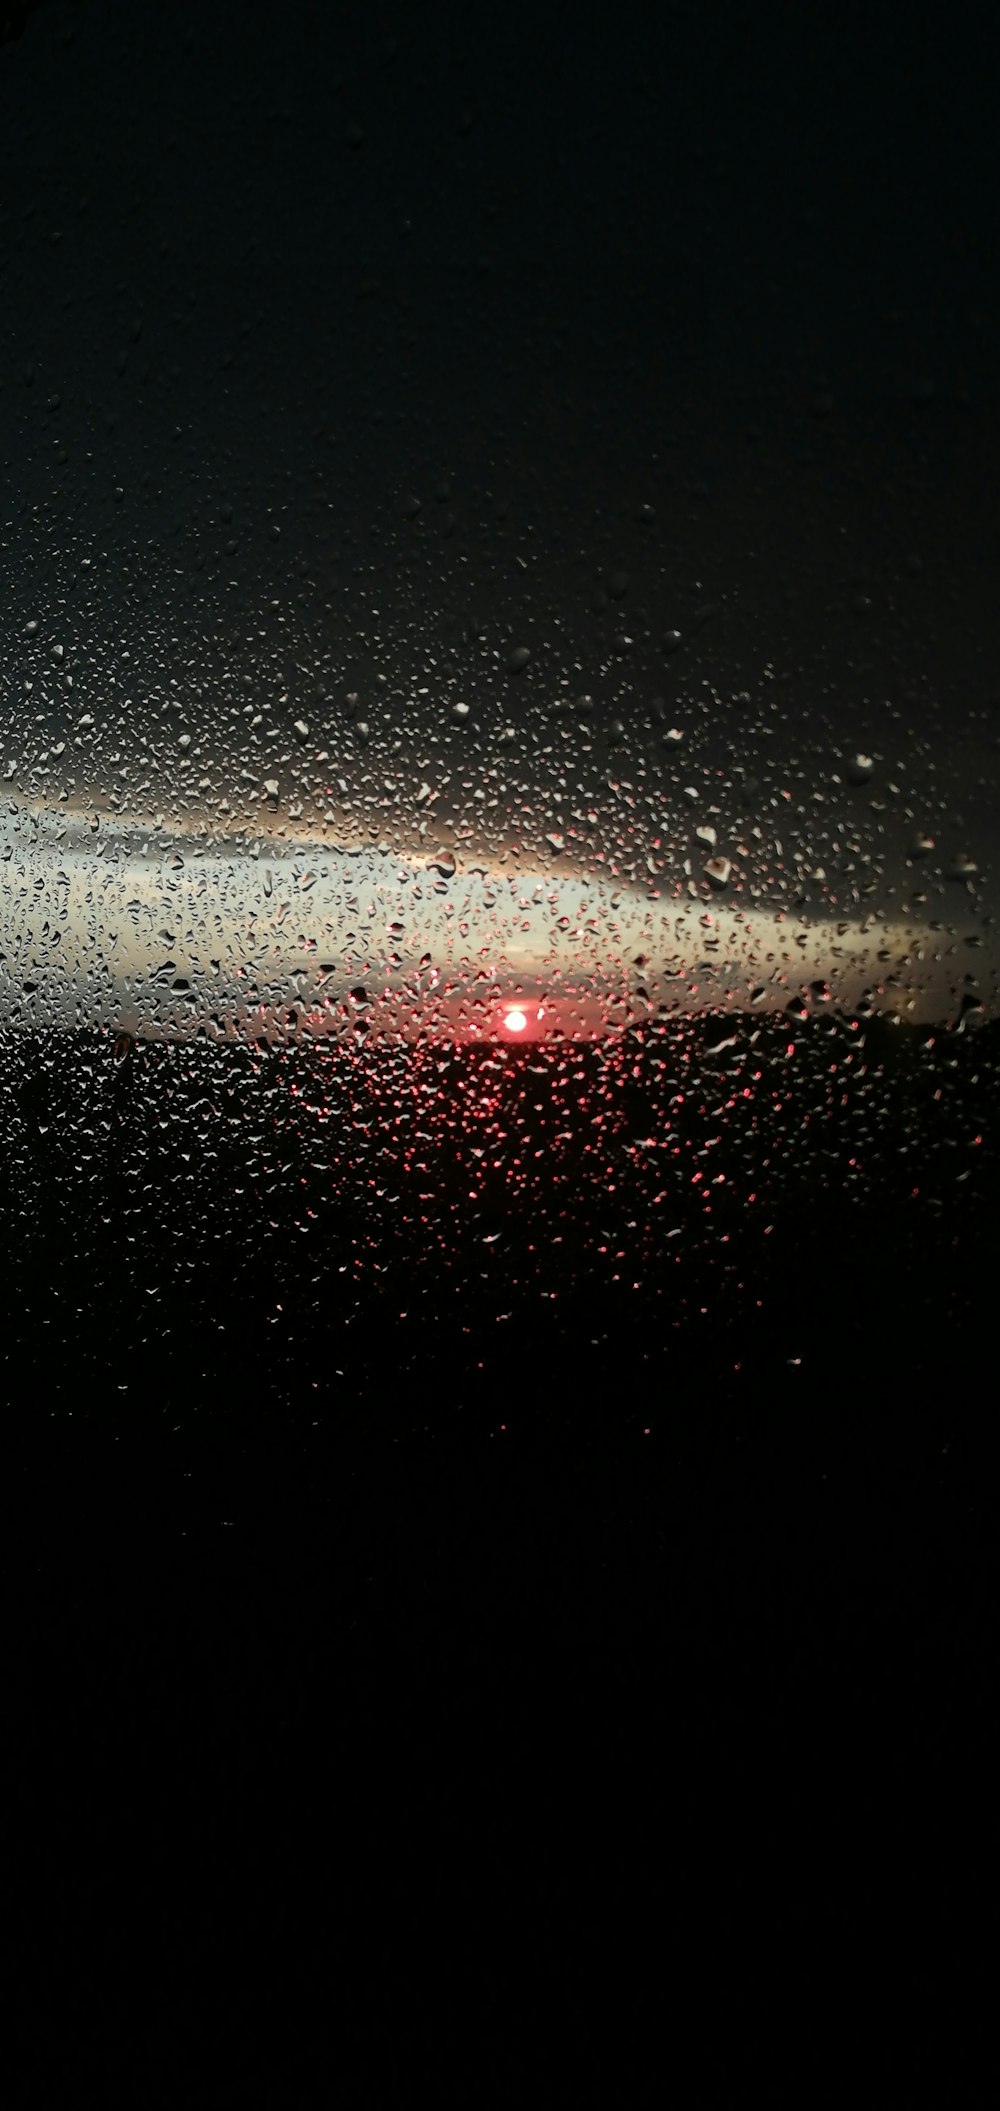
(344, 352)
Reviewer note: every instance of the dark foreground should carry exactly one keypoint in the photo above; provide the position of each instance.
(504, 1573)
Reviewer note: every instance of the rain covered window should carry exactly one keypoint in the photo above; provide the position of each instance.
(499, 750)
(462, 711)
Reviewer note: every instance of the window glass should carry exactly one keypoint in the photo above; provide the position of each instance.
(499, 718)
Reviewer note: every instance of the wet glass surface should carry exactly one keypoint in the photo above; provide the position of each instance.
(499, 741)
